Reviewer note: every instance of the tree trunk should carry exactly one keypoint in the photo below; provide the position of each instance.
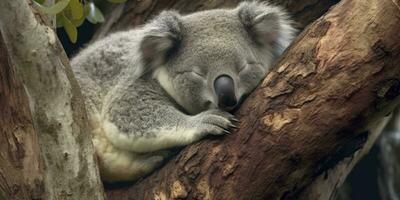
(21, 174)
(48, 99)
(318, 106)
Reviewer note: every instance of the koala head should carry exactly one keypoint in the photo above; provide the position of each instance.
(212, 59)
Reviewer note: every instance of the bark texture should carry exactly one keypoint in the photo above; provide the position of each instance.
(326, 185)
(21, 173)
(57, 111)
(317, 107)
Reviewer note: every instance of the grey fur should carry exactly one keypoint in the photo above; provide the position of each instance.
(151, 89)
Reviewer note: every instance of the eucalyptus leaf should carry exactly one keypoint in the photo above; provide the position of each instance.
(95, 16)
(76, 9)
(53, 9)
(59, 20)
(71, 30)
(86, 9)
(78, 22)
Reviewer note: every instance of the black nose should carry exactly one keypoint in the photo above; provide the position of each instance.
(225, 90)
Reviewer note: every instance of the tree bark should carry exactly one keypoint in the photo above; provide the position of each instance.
(51, 103)
(326, 185)
(21, 173)
(316, 108)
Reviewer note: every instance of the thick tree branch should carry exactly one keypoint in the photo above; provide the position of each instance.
(325, 186)
(56, 105)
(21, 173)
(315, 109)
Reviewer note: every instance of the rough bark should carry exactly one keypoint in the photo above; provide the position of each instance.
(326, 185)
(333, 85)
(21, 174)
(57, 111)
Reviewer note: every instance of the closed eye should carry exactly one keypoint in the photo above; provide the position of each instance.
(195, 73)
(195, 70)
(198, 74)
(198, 71)
(253, 63)
(249, 64)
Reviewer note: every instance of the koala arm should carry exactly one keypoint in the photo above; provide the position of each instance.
(143, 119)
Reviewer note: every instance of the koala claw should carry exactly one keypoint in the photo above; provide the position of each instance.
(214, 122)
(233, 126)
(234, 119)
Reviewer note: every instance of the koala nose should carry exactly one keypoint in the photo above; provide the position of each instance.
(225, 91)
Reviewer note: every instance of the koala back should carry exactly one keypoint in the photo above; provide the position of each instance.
(104, 63)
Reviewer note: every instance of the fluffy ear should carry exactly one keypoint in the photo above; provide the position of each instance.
(161, 38)
(269, 25)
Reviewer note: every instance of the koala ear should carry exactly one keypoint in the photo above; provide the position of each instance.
(268, 25)
(161, 38)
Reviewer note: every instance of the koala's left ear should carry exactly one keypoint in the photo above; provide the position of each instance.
(268, 25)
(161, 38)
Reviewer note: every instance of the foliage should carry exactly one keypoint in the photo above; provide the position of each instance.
(70, 14)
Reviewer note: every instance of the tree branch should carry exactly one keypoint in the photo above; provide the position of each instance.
(56, 105)
(21, 173)
(313, 110)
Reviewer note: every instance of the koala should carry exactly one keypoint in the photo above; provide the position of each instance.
(173, 81)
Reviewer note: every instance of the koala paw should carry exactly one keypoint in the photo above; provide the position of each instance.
(214, 122)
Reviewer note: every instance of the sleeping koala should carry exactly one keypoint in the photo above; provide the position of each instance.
(174, 81)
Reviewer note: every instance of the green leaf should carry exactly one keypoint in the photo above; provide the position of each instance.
(117, 1)
(76, 9)
(78, 22)
(71, 30)
(95, 16)
(59, 20)
(53, 9)
(86, 9)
